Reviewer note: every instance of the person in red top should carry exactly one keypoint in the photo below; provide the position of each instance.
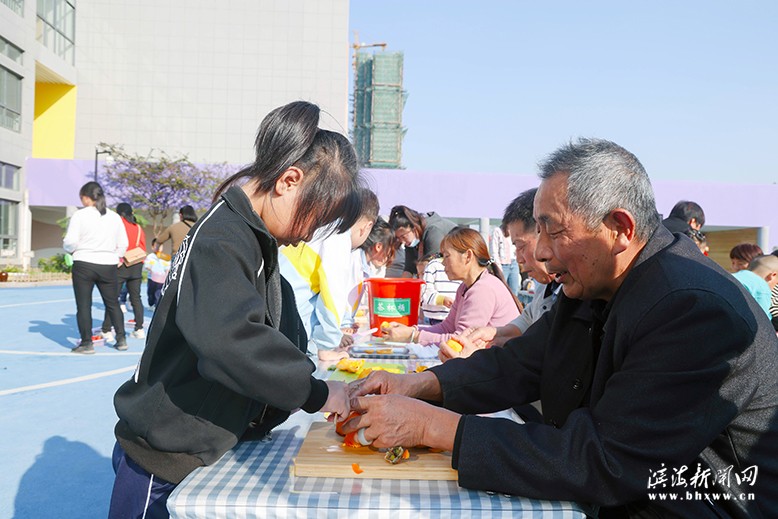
(130, 274)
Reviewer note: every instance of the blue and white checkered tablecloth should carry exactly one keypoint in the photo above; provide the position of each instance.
(255, 480)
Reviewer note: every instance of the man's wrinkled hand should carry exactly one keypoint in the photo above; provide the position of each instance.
(389, 420)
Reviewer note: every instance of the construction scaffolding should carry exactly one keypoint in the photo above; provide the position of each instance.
(378, 105)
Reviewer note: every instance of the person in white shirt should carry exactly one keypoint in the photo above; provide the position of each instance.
(438, 292)
(97, 240)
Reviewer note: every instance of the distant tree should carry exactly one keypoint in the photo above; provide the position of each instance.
(158, 184)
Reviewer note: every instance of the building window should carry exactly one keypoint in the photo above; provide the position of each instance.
(9, 49)
(9, 176)
(16, 6)
(56, 27)
(10, 100)
(8, 231)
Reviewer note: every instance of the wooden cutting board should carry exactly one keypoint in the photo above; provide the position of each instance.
(323, 455)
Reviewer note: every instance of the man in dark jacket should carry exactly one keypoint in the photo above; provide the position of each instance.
(685, 216)
(655, 370)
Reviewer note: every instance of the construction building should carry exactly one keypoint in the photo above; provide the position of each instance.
(378, 106)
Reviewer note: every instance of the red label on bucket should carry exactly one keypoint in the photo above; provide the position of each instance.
(390, 307)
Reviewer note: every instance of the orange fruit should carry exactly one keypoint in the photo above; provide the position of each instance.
(454, 345)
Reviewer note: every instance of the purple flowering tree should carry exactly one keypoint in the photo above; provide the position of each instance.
(157, 184)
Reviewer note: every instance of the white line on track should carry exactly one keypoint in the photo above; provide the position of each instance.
(66, 381)
(69, 353)
(38, 303)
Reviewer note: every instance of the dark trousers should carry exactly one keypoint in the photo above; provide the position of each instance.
(153, 292)
(132, 276)
(85, 277)
(136, 493)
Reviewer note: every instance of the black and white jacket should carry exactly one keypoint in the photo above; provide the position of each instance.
(217, 362)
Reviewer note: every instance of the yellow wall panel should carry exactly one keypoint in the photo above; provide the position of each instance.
(54, 127)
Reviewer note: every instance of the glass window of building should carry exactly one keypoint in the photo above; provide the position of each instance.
(10, 100)
(9, 176)
(16, 6)
(9, 49)
(56, 27)
(8, 230)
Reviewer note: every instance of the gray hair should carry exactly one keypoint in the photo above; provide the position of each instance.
(603, 176)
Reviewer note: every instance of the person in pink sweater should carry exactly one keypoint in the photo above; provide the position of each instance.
(483, 298)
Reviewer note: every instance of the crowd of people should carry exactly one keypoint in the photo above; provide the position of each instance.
(109, 252)
(636, 353)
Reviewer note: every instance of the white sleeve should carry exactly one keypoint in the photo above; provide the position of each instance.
(73, 233)
(494, 244)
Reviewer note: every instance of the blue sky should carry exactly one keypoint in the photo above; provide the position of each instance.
(690, 87)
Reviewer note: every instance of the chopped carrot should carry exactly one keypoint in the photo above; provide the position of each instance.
(351, 440)
(406, 454)
(356, 468)
(339, 425)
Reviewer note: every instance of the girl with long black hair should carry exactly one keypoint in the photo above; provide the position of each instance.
(421, 234)
(224, 356)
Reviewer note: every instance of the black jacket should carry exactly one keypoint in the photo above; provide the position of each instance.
(679, 369)
(215, 360)
(675, 224)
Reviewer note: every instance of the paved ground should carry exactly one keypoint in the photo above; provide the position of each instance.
(56, 411)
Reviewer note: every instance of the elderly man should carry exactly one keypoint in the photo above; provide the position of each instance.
(656, 373)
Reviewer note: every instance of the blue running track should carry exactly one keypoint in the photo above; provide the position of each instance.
(56, 409)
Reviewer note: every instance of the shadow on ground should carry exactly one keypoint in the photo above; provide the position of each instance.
(59, 333)
(68, 479)
(65, 333)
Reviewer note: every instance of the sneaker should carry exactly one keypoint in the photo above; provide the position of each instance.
(121, 344)
(138, 334)
(124, 308)
(85, 348)
(108, 336)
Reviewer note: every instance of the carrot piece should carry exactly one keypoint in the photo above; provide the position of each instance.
(356, 468)
(406, 454)
(339, 425)
(351, 440)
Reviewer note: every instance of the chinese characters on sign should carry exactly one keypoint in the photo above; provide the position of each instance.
(700, 478)
(389, 307)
